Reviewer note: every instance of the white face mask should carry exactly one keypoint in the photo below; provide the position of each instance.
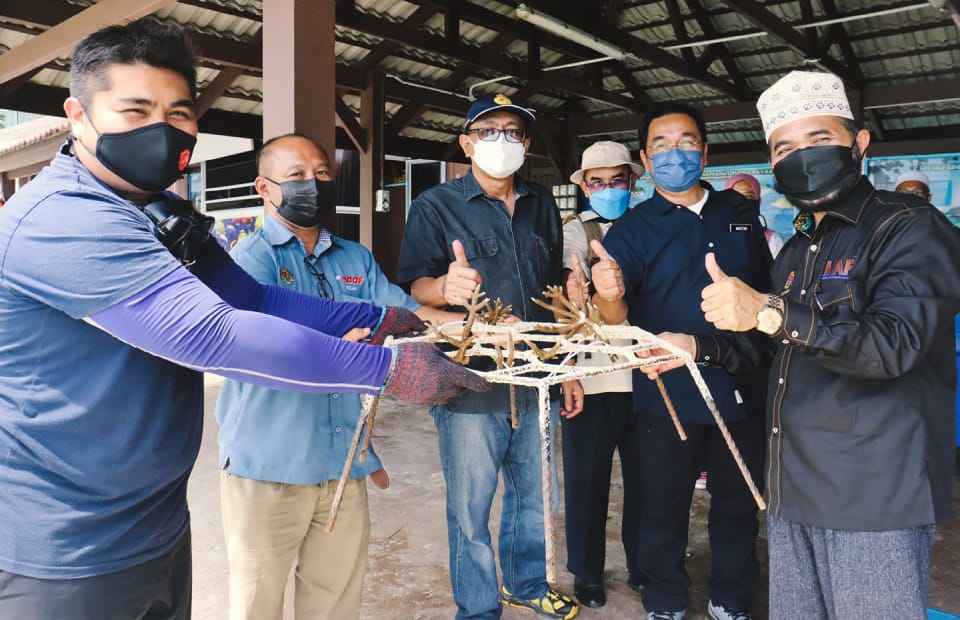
(500, 158)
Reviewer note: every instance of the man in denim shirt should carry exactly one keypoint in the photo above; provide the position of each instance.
(491, 228)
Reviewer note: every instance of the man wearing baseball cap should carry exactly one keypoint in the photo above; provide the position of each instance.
(494, 228)
(606, 176)
(860, 405)
(915, 183)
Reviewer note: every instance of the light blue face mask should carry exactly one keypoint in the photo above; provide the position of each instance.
(676, 170)
(610, 203)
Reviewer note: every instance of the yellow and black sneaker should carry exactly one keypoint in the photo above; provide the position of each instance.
(552, 604)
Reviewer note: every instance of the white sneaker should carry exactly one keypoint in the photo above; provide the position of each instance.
(666, 615)
(719, 612)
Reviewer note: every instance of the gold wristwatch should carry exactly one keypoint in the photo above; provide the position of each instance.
(770, 317)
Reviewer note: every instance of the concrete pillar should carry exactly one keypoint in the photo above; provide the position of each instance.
(299, 70)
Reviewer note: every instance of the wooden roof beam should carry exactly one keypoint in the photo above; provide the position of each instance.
(60, 40)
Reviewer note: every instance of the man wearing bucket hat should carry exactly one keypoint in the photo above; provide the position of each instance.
(860, 410)
(491, 227)
(650, 272)
(606, 176)
(913, 182)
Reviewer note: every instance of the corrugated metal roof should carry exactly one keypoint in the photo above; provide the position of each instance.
(31, 132)
(888, 43)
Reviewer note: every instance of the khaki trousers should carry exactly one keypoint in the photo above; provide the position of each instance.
(267, 525)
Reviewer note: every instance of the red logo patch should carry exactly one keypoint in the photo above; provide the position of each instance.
(351, 279)
(184, 159)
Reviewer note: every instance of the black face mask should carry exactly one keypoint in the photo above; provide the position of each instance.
(817, 177)
(150, 158)
(304, 203)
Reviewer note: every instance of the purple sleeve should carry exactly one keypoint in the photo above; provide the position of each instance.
(181, 320)
(217, 270)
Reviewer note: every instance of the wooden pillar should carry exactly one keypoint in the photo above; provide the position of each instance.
(299, 70)
(371, 156)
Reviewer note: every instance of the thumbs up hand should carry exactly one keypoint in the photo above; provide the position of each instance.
(577, 285)
(606, 275)
(461, 279)
(728, 302)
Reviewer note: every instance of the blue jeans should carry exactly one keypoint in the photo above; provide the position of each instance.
(474, 449)
(822, 574)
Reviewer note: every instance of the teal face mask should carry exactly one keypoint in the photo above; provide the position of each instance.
(610, 203)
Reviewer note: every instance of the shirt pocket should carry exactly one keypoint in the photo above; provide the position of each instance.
(480, 248)
(544, 253)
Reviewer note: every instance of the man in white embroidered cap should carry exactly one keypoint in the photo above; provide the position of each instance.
(860, 406)
(913, 182)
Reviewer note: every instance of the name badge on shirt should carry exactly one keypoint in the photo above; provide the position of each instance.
(741, 227)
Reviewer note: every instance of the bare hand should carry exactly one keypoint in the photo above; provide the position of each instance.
(728, 303)
(356, 334)
(607, 278)
(686, 342)
(461, 279)
(572, 398)
(577, 288)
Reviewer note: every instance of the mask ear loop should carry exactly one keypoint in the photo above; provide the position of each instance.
(77, 138)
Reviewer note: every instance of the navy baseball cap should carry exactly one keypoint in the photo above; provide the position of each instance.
(490, 103)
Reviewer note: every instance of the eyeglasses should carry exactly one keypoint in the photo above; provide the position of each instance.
(323, 285)
(492, 134)
(685, 144)
(919, 193)
(599, 186)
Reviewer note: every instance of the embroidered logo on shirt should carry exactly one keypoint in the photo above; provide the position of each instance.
(285, 276)
(838, 269)
(789, 282)
(351, 283)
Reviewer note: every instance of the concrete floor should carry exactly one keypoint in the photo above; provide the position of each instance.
(407, 570)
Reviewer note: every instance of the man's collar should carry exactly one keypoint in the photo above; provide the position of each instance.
(278, 234)
(472, 189)
(663, 205)
(850, 209)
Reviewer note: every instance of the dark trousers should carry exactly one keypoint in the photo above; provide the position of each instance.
(669, 468)
(606, 424)
(159, 589)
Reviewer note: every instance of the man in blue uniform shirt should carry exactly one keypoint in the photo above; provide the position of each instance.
(651, 273)
(271, 439)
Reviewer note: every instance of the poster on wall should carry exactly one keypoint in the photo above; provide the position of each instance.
(230, 229)
(943, 171)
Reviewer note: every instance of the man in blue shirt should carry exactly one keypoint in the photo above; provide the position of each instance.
(652, 273)
(103, 331)
(494, 228)
(272, 440)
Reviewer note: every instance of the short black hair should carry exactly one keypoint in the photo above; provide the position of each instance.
(667, 109)
(267, 146)
(144, 41)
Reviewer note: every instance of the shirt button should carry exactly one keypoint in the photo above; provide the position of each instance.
(803, 291)
(813, 248)
(706, 358)
(785, 341)
(710, 245)
(794, 333)
(335, 395)
(775, 430)
(337, 429)
(780, 380)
